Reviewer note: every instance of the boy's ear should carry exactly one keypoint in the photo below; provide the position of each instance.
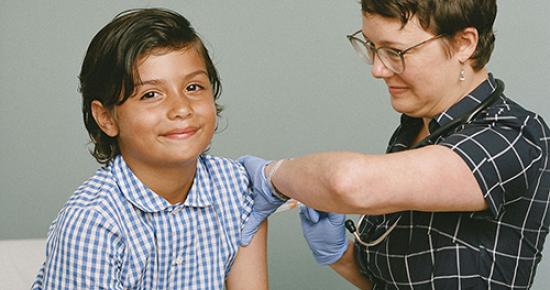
(466, 43)
(104, 118)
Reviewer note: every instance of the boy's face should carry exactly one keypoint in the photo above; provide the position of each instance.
(171, 117)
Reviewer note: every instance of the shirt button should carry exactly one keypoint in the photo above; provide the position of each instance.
(179, 260)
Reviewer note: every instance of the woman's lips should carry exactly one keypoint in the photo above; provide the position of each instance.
(397, 90)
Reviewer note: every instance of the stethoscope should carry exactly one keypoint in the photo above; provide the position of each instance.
(464, 119)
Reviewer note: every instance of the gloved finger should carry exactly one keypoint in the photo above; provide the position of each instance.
(249, 161)
(254, 167)
(245, 158)
(250, 228)
(336, 218)
(304, 218)
(310, 214)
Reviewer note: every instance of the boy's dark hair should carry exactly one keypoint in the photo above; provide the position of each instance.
(109, 70)
(445, 17)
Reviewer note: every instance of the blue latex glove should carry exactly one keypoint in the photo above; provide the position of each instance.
(265, 203)
(325, 234)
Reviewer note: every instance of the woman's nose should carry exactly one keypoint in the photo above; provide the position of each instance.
(379, 69)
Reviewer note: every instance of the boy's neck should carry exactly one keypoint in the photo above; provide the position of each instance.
(172, 183)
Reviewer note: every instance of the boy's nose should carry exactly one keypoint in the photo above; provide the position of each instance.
(180, 107)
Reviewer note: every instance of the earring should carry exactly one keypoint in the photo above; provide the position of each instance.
(461, 78)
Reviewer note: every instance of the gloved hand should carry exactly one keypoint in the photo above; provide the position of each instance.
(325, 234)
(265, 203)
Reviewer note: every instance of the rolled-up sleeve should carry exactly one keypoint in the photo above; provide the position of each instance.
(502, 154)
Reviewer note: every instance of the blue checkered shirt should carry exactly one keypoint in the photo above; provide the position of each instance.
(507, 149)
(115, 233)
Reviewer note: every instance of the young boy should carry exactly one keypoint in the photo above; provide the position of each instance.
(161, 214)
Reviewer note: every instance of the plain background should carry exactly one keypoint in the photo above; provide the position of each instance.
(291, 85)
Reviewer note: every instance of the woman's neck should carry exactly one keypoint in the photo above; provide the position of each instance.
(423, 132)
(466, 86)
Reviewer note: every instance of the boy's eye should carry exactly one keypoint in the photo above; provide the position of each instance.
(148, 95)
(194, 87)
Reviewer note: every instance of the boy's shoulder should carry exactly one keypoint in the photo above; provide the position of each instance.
(217, 163)
(98, 191)
(223, 172)
(96, 201)
(229, 185)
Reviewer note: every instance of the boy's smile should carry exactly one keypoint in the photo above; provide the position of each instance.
(182, 133)
(170, 118)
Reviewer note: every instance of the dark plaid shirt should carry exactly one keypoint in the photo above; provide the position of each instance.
(507, 149)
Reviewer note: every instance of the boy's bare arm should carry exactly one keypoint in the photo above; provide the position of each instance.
(249, 271)
(347, 268)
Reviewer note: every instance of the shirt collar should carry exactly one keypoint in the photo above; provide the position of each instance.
(199, 193)
(466, 104)
(407, 131)
(147, 200)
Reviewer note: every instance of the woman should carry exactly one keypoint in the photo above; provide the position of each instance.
(461, 201)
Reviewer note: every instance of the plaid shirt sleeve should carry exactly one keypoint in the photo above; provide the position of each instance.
(83, 252)
(502, 150)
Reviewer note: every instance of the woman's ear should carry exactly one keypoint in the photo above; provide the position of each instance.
(104, 119)
(465, 44)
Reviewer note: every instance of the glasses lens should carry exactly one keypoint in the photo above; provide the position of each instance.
(391, 59)
(364, 53)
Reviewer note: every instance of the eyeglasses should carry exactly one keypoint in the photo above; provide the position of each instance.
(392, 58)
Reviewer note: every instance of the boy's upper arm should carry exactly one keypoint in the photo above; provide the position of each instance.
(249, 271)
(82, 251)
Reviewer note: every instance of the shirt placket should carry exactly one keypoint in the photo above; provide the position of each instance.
(183, 245)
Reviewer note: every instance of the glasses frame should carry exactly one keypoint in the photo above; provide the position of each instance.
(353, 39)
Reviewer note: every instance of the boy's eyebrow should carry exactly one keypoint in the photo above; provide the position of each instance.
(148, 82)
(157, 81)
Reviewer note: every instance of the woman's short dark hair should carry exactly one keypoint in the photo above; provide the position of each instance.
(445, 17)
(109, 69)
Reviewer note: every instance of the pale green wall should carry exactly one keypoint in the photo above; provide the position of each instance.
(291, 85)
